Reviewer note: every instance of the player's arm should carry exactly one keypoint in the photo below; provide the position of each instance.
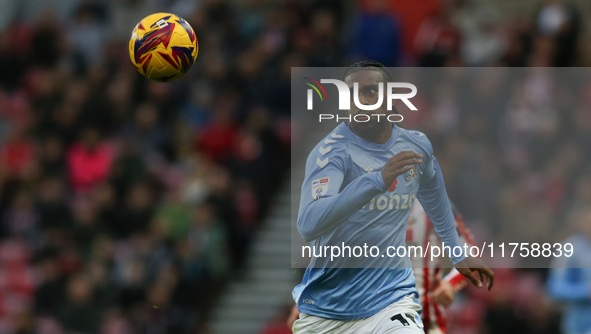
(322, 207)
(446, 288)
(457, 280)
(323, 210)
(433, 197)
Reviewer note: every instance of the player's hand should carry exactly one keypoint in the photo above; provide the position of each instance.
(400, 164)
(474, 264)
(443, 293)
(293, 316)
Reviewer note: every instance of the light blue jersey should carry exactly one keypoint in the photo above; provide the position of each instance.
(344, 200)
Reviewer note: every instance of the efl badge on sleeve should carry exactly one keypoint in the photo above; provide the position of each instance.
(320, 187)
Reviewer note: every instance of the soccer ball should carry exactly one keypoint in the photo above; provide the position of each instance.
(163, 47)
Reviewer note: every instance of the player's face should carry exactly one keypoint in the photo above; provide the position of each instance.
(368, 81)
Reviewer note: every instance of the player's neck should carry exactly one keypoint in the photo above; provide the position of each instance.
(379, 137)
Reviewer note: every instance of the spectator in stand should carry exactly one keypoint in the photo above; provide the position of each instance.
(89, 161)
(438, 41)
(80, 313)
(560, 21)
(376, 35)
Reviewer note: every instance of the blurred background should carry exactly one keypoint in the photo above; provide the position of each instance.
(128, 206)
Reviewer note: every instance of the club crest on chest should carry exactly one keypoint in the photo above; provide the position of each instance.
(411, 174)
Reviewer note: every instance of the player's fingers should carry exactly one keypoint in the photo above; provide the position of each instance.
(490, 277)
(407, 162)
(406, 155)
(397, 162)
(475, 281)
(402, 170)
(410, 161)
(395, 171)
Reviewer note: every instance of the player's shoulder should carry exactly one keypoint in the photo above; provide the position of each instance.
(417, 138)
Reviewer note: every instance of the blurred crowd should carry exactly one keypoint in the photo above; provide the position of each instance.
(125, 205)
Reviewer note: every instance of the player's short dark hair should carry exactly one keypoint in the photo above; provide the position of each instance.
(371, 65)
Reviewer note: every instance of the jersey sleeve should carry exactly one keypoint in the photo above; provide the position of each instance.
(427, 169)
(457, 280)
(433, 197)
(322, 206)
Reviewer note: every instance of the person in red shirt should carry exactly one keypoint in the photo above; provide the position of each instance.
(89, 161)
(17, 153)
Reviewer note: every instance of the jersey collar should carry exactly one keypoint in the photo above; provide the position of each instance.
(368, 144)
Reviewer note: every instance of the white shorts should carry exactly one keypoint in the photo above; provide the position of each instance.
(401, 317)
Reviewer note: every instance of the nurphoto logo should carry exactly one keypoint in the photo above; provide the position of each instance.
(345, 99)
(345, 94)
